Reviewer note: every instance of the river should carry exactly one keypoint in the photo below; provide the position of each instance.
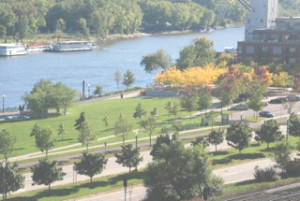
(18, 74)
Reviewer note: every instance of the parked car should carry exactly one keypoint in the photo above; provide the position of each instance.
(265, 114)
(279, 100)
(242, 106)
(293, 98)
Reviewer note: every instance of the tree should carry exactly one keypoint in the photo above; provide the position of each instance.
(86, 135)
(189, 102)
(155, 61)
(118, 77)
(122, 127)
(200, 53)
(91, 165)
(14, 180)
(239, 136)
(84, 27)
(35, 129)
(215, 138)
(294, 125)
(283, 79)
(46, 172)
(160, 140)
(62, 97)
(61, 131)
(256, 95)
(202, 141)
(179, 173)
(129, 157)
(139, 111)
(289, 105)
(154, 112)
(128, 78)
(205, 99)
(7, 142)
(79, 122)
(269, 132)
(106, 123)
(230, 85)
(98, 91)
(296, 85)
(44, 139)
(281, 154)
(149, 126)
(46, 95)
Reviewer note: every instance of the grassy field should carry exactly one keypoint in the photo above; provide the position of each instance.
(94, 112)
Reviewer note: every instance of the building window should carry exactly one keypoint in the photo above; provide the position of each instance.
(261, 20)
(250, 50)
(292, 60)
(292, 49)
(277, 50)
(264, 49)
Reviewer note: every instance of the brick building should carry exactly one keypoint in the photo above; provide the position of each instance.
(280, 43)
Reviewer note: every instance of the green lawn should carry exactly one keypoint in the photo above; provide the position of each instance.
(94, 112)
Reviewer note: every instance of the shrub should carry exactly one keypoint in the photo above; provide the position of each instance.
(267, 174)
(292, 168)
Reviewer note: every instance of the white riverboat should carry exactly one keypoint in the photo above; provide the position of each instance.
(72, 46)
(12, 49)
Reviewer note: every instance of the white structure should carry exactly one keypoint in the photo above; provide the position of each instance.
(262, 16)
(12, 49)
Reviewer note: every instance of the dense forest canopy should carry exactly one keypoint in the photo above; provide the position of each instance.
(23, 18)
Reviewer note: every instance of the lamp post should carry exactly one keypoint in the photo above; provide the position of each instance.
(3, 103)
(136, 139)
(89, 91)
(241, 115)
(4, 185)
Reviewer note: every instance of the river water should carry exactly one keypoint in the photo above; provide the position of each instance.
(18, 74)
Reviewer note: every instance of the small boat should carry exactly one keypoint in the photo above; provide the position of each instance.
(72, 46)
(40, 47)
(12, 49)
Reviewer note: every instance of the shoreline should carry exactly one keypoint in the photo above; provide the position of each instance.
(111, 39)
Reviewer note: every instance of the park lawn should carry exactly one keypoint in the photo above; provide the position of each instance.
(255, 119)
(94, 113)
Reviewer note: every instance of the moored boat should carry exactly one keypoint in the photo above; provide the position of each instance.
(39, 47)
(72, 46)
(12, 49)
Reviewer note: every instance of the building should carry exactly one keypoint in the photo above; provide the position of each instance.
(269, 39)
(262, 16)
(281, 44)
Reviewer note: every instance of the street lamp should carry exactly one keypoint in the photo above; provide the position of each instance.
(136, 139)
(3, 102)
(89, 90)
(4, 182)
(241, 116)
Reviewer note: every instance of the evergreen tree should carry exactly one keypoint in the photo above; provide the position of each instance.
(139, 111)
(61, 131)
(80, 121)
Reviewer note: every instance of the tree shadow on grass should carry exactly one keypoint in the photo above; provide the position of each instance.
(219, 153)
(241, 157)
(47, 193)
(68, 191)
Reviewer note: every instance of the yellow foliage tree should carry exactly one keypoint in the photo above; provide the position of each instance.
(195, 77)
(282, 79)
